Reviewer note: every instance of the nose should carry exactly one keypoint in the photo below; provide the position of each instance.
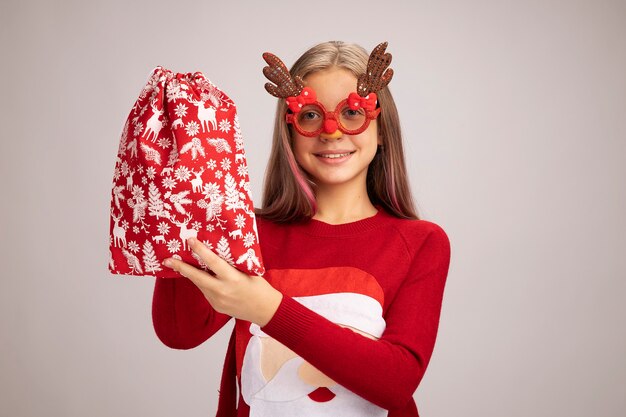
(331, 130)
(332, 136)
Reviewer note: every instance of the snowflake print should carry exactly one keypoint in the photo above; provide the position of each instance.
(138, 129)
(116, 173)
(192, 128)
(173, 90)
(182, 173)
(210, 189)
(210, 227)
(218, 174)
(135, 229)
(211, 164)
(242, 170)
(164, 143)
(181, 110)
(169, 183)
(150, 172)
(140, 169)
(249, 239)
(144, 180)
(138, 193)
(133, 246)
(208, 244)
(197, 226)
(173, 245)
(125, 168)
(125, 224)
(240, 221)
(163, 228)
(225, 126)
(225, 164)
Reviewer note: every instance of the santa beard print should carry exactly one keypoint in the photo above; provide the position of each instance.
(286, 394)
(276, 382)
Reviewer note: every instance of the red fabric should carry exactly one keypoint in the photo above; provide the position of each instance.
(228, 389)
(306, 96)
(409, 259)
(368, 102)
(181, 172)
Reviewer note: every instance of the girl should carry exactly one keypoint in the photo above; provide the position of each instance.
(345, 319)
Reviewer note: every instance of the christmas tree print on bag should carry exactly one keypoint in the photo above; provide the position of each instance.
(181, 172)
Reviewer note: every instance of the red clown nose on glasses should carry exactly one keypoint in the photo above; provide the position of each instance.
(351, 116)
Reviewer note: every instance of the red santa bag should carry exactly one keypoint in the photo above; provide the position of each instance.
(181, 172)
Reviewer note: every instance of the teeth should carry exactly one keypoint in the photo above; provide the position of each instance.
(335, 155)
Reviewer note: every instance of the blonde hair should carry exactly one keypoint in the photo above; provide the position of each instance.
(288, 194)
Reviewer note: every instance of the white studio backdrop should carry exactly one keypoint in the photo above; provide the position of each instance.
(515, 130)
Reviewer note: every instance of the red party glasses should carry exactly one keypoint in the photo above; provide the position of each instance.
(351, 116)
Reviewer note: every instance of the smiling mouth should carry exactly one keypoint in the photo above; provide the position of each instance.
(334, 155)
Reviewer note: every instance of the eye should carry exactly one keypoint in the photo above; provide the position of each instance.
(309, 115)
(353, 114)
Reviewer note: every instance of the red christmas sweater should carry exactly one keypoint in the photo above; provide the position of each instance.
(353, 334)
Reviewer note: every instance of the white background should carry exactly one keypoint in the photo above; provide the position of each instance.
(514, 114)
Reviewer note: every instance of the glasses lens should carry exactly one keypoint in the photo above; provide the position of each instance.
(352, 119)
(310, 118)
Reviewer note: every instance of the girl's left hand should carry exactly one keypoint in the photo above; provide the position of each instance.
(229, 291)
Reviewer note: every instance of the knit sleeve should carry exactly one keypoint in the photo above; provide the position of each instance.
(182, 317)
(386, 371)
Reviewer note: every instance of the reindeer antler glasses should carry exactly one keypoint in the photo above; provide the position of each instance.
(351, 116)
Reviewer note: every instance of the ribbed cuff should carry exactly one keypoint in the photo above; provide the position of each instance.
(291, 322)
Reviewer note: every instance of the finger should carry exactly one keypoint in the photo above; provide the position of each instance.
(220, 267)
(197, 276)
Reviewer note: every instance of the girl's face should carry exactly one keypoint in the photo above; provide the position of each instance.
(341, 161)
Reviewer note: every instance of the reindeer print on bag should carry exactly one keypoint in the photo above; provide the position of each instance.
(177, 175)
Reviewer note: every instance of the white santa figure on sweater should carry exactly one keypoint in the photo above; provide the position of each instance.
(276, 382)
